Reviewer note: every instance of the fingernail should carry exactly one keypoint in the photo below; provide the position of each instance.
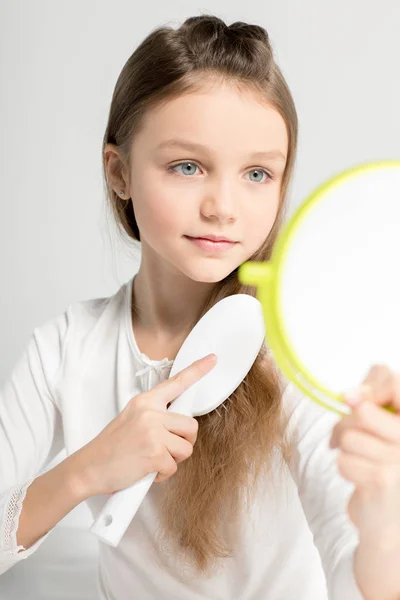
(211, 357)
(353, 397)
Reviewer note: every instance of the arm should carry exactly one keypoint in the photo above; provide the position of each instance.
(30, 437)
(323, 493)
(49, 499)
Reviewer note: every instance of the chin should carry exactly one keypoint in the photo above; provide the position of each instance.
(209, 273)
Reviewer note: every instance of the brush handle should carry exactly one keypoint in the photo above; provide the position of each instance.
(119, 510)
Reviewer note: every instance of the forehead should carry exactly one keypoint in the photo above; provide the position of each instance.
(222, 118)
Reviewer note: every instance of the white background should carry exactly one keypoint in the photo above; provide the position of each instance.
(59, 62)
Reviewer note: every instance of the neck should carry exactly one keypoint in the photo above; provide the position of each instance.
(165, 305)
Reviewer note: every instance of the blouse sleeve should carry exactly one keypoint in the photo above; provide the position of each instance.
(30, 431)
(323, 492)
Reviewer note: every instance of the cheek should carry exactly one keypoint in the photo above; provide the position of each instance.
(158, 216)
(259, 219)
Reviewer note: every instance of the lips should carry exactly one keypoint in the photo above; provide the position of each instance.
(212, 243)
(214, 238)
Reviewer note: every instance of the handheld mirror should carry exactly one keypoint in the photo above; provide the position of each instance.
(331, 290)
(234, 330)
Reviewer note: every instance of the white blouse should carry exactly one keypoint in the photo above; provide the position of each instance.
(76, 374)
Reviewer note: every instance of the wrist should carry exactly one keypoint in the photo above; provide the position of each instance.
(78, 476)
(376, 569)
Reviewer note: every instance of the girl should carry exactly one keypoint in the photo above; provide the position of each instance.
(198, 153)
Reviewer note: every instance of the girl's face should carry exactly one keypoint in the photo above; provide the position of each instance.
(205, 164)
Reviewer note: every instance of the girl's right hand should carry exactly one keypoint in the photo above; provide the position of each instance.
(144, 438)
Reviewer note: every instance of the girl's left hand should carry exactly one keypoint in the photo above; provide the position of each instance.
(369, 444)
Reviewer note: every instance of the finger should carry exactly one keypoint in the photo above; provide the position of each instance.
(168, 468)
(167, 391)
(378, 375)
(356, 469)
(372, 419)
(381, 385)
(178, 448)
(185, 427)
(395, 399)
(378, 421)
(345, 423)
(396, 396)
(358, 443)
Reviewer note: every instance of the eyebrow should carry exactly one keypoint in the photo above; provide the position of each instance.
(192, 146)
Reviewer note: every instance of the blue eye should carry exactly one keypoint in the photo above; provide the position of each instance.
(186, 164)
(193, 165)
(261, 171)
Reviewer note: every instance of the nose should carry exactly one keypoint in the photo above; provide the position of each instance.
(219, 202)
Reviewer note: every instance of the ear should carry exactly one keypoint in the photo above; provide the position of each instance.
(116, 170)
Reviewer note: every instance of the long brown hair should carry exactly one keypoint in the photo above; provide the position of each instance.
(203, 502)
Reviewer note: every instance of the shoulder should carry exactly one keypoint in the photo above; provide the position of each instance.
(309, 427)
(80, 316)
(302, 417)
(303, 412)
(72, 329)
